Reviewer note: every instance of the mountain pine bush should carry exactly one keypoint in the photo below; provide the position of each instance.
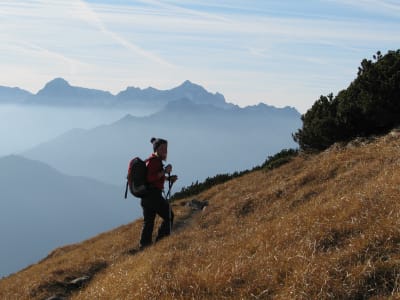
(369, 106)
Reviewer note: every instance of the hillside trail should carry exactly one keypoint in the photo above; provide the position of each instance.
(76, 281)
(183, 220)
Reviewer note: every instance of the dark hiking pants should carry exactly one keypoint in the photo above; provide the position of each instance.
(154, 204)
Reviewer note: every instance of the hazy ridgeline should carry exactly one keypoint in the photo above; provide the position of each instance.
(41, 209)
(23, 127)
(203, 141)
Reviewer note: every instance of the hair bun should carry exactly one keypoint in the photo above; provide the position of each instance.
(152, 140)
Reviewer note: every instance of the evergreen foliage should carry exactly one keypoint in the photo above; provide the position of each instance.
(370, 105)
(271, 162)
(196, 187)
(279, 159)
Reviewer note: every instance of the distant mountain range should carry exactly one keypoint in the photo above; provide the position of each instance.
(59, 92)
(203, 141)
(13, 95)
(41, 209)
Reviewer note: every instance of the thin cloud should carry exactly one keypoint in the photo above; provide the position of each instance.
(176, 9)
(40, 53)
(91, 17)
(191, 23)
(387, 7)
(48, 54)
(42, 11)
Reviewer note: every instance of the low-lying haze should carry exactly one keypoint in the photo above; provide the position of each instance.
(23, 127)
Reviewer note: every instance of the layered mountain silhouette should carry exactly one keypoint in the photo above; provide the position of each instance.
(203, 141)
(58, 92)
(13, 95)
(187, 90)
(41, 209)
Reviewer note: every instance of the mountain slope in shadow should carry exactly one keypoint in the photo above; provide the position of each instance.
(41, 209)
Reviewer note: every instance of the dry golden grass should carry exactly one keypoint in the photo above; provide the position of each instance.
(320, 227)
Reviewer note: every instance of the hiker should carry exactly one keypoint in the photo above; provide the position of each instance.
(153, 202)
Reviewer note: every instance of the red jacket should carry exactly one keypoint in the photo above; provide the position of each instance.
(154, 167)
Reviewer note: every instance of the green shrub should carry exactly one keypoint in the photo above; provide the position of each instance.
(369, 106)
(279, 159)
(196, 187)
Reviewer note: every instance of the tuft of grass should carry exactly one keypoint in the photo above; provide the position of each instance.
(321, 226)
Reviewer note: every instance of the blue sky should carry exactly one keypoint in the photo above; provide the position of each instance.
(277, 52)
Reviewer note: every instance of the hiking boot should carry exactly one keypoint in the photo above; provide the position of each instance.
(143, 247)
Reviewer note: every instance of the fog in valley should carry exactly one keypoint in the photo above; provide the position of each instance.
(23, 127)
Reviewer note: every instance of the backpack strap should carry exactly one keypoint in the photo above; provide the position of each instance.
(126, 189)
(127, 182)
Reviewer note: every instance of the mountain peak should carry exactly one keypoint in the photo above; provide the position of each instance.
(59, 92)
(58, 82)
(55, 87)
(187, 84)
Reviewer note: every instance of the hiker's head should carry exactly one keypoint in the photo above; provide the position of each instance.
(160, 147)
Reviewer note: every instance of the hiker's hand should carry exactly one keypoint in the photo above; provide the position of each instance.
(168, 169)
(173, 178)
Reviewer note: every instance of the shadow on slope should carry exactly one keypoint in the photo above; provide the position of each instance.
(41, 209)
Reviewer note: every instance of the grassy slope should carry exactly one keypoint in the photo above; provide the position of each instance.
(322, 226)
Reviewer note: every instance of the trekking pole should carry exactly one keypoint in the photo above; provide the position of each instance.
(170, 183)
